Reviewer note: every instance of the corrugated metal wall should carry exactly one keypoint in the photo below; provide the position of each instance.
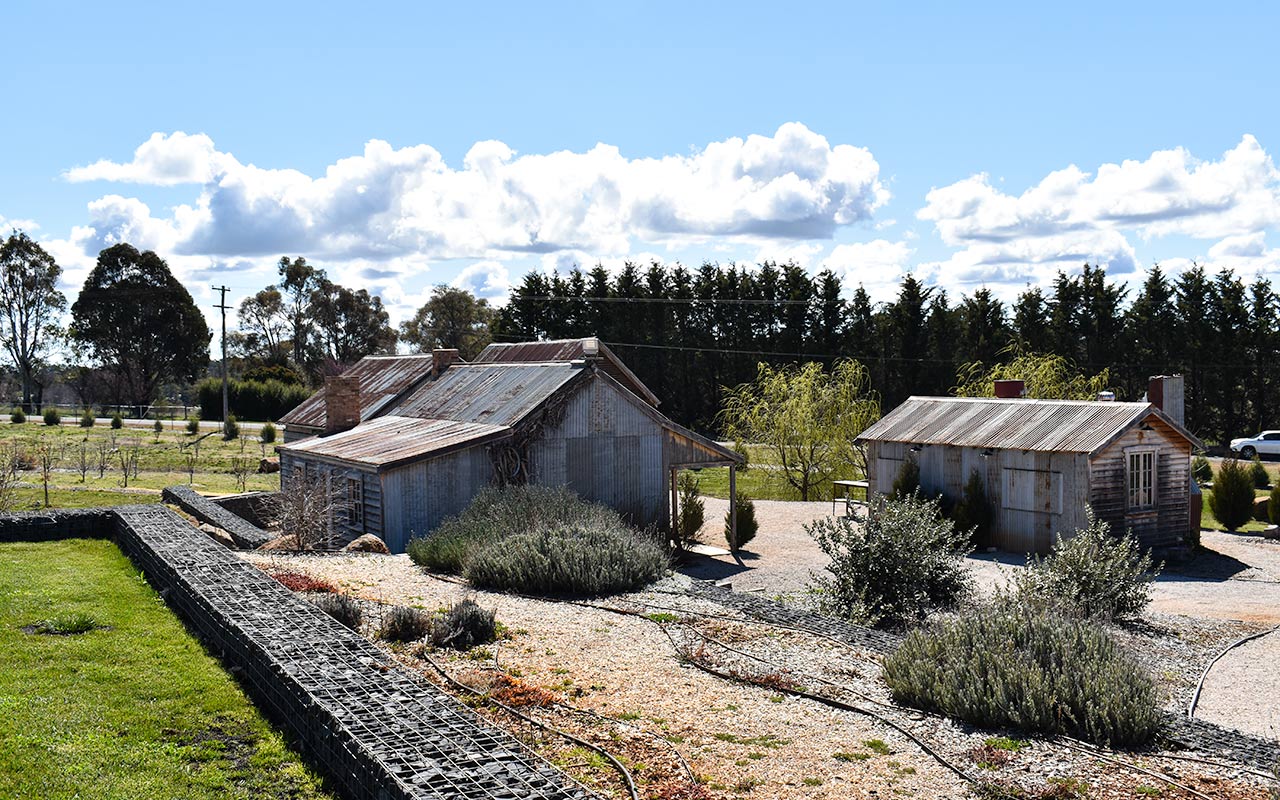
(609, 450)
(1051, 488)
(422, 495)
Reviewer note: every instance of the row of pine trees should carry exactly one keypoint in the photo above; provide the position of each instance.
(688, 333)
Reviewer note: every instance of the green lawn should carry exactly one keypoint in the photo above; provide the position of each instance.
(162, 461)
(1209, 521)
(134, 710)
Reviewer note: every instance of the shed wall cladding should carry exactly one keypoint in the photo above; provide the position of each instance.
(608, 450)
(347, 525)
(1166, 525)
(421, 495)
(1048, 490)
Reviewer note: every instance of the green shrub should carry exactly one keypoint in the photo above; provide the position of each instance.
(907, 481)
(117, 421)
(86, 419)
(1232, 496)
(269, 399)
(972, 514)
(1011, 665)
(230, 429)
(1273, 505)
(1091, 573)
(274, 372)
(573, 559)
(193, 425)
(403, 624)
(747, 524)
(268, 433)
(463, 626)
(17, 416)
(1202, 470)
(343, 608)
(541, 540)
(692, 512)
(1261, 478)
(52, 417)
(892, 565)
(443, 551)
(157, 426)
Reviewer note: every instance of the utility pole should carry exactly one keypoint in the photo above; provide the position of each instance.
(222, 305)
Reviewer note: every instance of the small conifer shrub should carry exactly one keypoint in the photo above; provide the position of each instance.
(86, 419)
(1261, 478)
(747, 524)
(1232, 497)
(117, 421)
(268, 433)
(17, 416)
(1202, 470)
(52, 417)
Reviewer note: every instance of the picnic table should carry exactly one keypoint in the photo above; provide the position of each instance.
(843, 490)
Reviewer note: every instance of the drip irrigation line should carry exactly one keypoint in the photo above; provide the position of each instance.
(827, 701)
(688, 770)
(1132, 766)
(617, 765)
(1211, 762)
(1195, 698)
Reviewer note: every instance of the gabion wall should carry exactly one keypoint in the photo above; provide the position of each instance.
(378, 731)
(245, 533)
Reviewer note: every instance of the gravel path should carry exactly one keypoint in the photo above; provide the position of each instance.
(780, 558)
(1242, 690)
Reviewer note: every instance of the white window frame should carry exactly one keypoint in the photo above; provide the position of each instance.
(1140, 462)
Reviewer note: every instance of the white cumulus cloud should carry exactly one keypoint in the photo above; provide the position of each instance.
(1072, 216)
(388, 202)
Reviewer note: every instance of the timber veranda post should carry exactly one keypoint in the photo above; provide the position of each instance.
(733, 507)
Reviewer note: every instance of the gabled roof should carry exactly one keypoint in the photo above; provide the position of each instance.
(1056, 426)
(390, 441)
(382, 378)
(568, 350)
(494, 394)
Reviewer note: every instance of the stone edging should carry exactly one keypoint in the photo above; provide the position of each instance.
(378, 730)
(245, 534)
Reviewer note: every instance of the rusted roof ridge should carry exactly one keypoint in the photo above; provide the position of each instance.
(392, 441)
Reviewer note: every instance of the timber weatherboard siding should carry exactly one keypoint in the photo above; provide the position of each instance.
(1053, 488)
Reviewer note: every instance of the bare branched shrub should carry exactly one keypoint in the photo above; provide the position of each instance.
(8, 483)
(46, 460)
(104, 459)
(83, 462)
(241, 467)
(308, 508)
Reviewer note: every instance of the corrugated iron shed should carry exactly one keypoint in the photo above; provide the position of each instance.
(390, 441)
(382, 378)
(494, 394)
(567, 350)
(1056, 426)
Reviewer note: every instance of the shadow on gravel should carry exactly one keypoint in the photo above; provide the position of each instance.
(1206, 565)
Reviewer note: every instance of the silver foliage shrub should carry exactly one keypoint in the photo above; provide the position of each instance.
(893, 564)
(1011, 664)
(1092, 573)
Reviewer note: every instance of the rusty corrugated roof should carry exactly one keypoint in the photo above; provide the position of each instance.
(381, 379)
(390, 441)
(1058, 426)
(567, 350)
(494, 394)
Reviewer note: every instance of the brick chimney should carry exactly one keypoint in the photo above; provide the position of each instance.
(1165, 392)
(341, 403)
(441, 359)
(1011, 389)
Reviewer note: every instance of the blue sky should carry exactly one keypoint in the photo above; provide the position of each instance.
(400, 146)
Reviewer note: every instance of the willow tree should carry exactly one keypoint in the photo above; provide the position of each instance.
(1046, 376)
(809, 419)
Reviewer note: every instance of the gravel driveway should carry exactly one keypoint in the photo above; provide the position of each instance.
(1242, 688)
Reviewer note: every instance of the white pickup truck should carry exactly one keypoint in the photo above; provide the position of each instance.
(1266, 443)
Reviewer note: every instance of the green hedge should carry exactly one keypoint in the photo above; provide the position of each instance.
(257, 400)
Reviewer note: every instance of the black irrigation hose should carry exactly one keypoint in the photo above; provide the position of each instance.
(1130, 765)
(617, 765)
(1212, 763)
(688, 770)
(827, 701)
(1195, 698)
